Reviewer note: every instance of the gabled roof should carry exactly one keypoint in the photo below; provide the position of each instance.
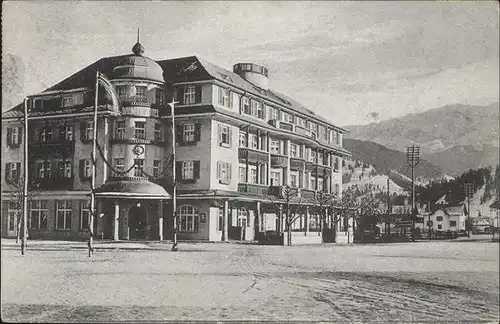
(451, 211)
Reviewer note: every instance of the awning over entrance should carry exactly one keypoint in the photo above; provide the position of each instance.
(133, 189)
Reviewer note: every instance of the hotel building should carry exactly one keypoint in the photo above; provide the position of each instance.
(237, 142)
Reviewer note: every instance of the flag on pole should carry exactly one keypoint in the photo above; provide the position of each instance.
(110, 90)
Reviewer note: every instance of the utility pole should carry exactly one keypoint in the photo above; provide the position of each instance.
(25, 186)
(469, 191)
(413, 158)
(174, 189)
(388, 223)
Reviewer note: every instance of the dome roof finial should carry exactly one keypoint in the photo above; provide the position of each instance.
(138, 49)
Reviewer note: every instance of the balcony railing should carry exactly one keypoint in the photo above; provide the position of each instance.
(302, 131)
(297, 163)
(52, 183)
(252, 154)
(51, 148)
(307, 193)
(279, 161)
(252, 188)
(135, 101)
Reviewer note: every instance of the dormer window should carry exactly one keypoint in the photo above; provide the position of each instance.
(246, 105)
(140, 93)
(67, 101)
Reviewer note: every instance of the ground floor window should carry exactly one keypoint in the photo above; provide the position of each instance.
(64, 211)
(188, 219)
(14, 213)
(39, 212)
(220, 223)
(243, 217)
(84, 215)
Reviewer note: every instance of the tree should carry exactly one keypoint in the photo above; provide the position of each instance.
(289, 199)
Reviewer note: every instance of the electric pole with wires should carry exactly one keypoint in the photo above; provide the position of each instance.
(413, 158)
(469, 191)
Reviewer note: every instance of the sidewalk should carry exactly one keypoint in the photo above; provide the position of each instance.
(98, 245)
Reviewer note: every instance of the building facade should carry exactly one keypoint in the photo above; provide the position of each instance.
(238, 146)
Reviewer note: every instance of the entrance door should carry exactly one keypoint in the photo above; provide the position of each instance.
(137, 223)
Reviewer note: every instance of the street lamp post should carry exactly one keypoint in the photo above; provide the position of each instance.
(413, 158)
(469, 191)
(174, 187)
(25, 178)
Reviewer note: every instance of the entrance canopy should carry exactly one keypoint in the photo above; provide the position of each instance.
(132, 189)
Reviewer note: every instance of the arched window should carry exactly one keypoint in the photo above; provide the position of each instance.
(243, 217)
(187, 219)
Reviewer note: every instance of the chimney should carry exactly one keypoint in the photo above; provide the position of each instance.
(253, 73)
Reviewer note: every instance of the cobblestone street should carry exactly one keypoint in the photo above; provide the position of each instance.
(424, 281)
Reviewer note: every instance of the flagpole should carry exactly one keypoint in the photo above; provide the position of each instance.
(92, 188)
(174, 190)
(25, 187)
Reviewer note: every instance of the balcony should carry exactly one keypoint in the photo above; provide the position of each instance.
(140, 111)
(253, 155)
(252, 188)
(52, 183)
(135, 101)
(297, 163)
(53, 147)
(282, 125)
(279, 161)
(307, 193)
(302, 131)
(283, 191)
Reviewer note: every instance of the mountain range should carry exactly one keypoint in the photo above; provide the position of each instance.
(454, 138)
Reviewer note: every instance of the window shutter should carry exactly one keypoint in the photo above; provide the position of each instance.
(230, 99)
(178, 171)
(9, 136)
(198, 94)
(196, 169)
(18, 167)
(82, 131)
(197, 132)
(219, 134)
(228, 165)
(181, 95)
(82, 169)
(263, 111)
(178, 134)
(19, 135)
(230, 135)
(219, 167)
(7, 173)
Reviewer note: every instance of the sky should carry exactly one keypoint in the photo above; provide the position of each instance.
(352, 62)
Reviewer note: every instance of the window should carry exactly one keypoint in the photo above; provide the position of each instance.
(243, 174)
(286, 117)
(254, 141)
(243, 217)
(337, 188)
(338, 138)
(120, 130)
(293, 180)
(38, 212)
(224, 97)
(156, 168)
(14, 212)
(46, 134)
(140, 130)
(312, 156)
(320, 184)
(300, 121)
(189, 95)
(86, 168)
(188, 133)
(122, 92)
(158, 132)
(453, 223)
(224, 172)
(87, 130)
(187, 170)
(119, 164)
(140, 93)
(274, 146)
(12, 171)
(78, 99)
(273, 113)
(253, 175)
(14, 136)
(66, 133)
(220, 218)
(138, 167)
(67, 101)
(336, 164)
(440, 226)
(187, 218)
(224, 135)
(439, 218)
(246, 105)
(44, 170)
(159, 97)
(275, 178)
(294, 149)
(257, 109)
(84, 215)
(65, 169)
(243, 140)
(313, 183)
(63, 219)
(314, 127)
(320, 158)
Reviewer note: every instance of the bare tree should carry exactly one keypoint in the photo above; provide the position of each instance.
(287, 201)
